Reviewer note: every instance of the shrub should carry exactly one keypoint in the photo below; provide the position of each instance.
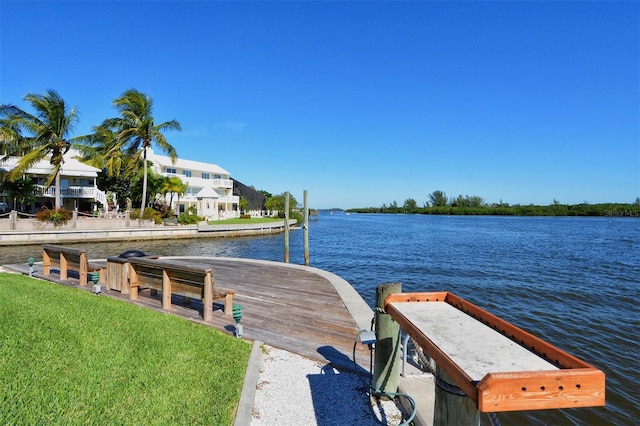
(188, 219)
(57, 217)
(245, 216)
(149, 214)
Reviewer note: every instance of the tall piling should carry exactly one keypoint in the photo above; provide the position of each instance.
(386, 366)
(286, 227)
(305, 227)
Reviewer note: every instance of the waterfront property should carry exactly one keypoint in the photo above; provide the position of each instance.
(79, 189)
(209, 187)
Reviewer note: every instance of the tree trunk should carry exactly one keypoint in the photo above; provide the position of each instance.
(144, 183)
(58, 196)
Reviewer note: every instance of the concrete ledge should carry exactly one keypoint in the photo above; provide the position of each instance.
(38, 236)
(245, 406)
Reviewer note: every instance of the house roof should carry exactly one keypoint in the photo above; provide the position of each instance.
(165, 161)
(71, 166)
(207, 192)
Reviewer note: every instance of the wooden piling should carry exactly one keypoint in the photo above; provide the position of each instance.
(286, 227)
(306, 229)
(386, 366)
(452, 407)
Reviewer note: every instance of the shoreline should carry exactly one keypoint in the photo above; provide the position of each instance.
(202, 230)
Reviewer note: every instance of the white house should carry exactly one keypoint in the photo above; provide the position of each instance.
(77, 180)
(209, 187)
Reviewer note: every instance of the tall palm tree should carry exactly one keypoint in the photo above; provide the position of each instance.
(34, 137)
(102, 149)
(136, 131)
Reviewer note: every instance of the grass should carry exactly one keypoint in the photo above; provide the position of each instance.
(245, 221)
(69, 357)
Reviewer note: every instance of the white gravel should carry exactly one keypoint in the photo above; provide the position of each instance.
(293, 390)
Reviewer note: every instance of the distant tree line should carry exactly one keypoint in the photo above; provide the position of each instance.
(439, 203)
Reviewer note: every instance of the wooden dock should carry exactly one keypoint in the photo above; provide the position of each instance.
(291, 307)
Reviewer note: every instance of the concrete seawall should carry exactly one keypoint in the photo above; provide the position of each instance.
(203, 230)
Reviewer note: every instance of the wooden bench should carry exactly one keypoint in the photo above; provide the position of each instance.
(171, 277)
(70, 258)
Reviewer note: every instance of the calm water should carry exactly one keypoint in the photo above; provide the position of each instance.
(571, 281)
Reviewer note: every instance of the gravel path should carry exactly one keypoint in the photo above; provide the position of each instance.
(293, 390)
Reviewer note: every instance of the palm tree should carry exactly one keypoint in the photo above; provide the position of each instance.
(102, 149)
(21, 191)
(438, 198)
(36, 137)
(173, 185)
(136, 131)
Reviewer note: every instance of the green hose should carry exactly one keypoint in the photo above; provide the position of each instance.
(373, 391)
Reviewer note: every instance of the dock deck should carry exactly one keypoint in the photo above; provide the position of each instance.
(299, 309)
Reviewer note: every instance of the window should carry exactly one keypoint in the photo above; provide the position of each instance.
(187, 173)
(217, 177)
(171, 171)
(205, 175)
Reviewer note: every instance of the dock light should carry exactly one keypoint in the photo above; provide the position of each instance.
(237, 315)
(97, 288)
(30, 262)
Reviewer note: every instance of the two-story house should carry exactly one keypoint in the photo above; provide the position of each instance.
(77, 180)
(209, 187)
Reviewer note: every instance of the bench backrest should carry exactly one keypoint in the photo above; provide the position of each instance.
(65, 258)
(72, 254)
(185, 280)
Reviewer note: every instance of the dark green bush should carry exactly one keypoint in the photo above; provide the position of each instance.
(188, 219)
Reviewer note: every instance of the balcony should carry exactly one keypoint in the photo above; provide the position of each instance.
(222, 183)
(198, 181)
(89, 192)
(229, 199)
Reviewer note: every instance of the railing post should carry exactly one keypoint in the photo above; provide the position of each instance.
(386, 366)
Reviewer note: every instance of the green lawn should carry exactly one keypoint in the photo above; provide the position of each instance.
(70, 357)
(245, 221)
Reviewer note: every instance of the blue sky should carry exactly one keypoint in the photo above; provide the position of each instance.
(360, 103)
